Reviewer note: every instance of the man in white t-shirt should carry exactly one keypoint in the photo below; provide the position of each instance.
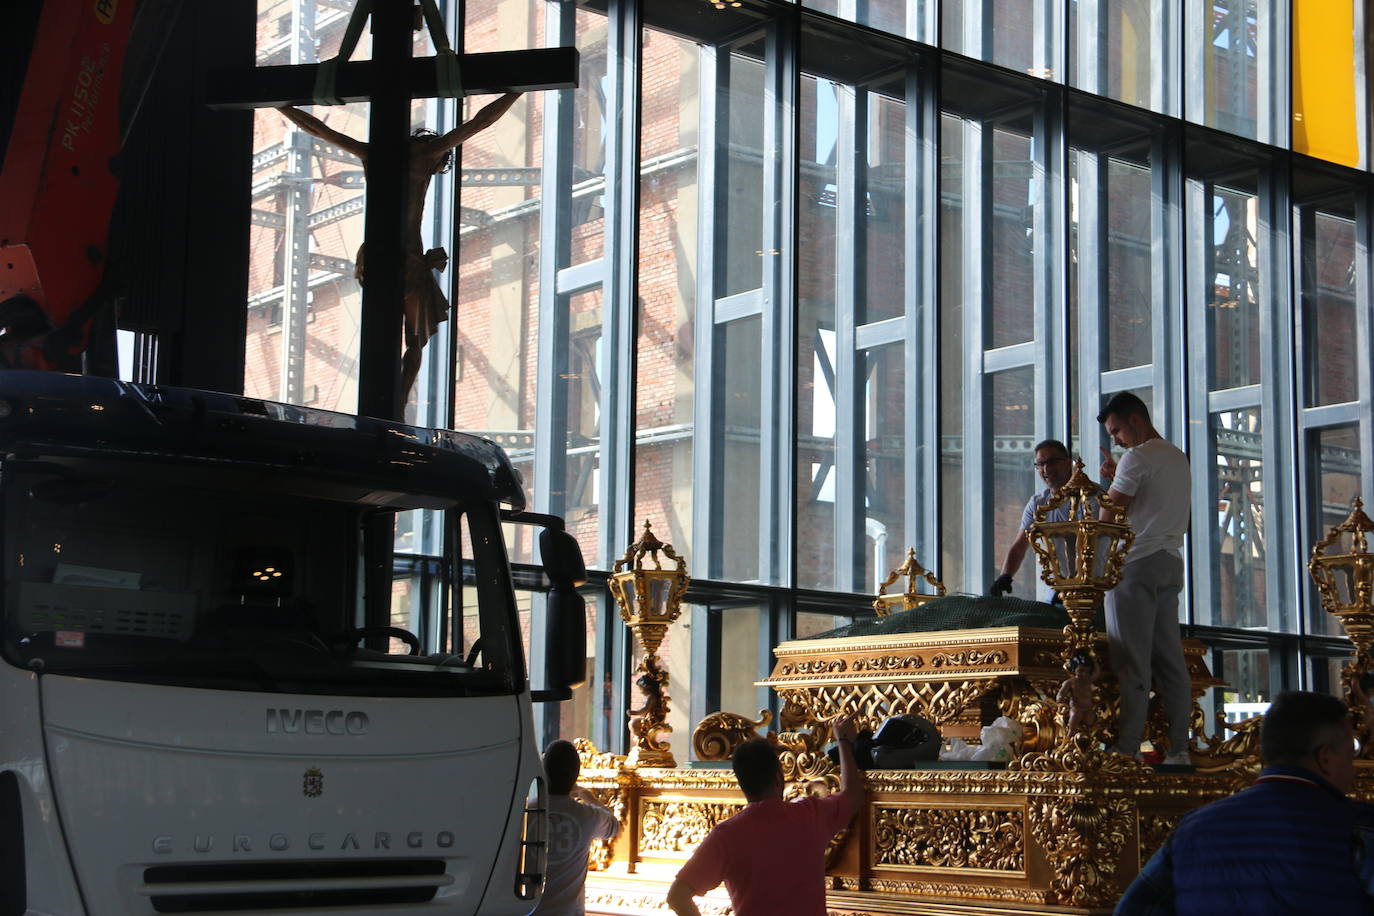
(1055, 467)
(575, 821)
(1153, 483)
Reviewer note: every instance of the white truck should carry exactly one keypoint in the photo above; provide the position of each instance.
(204, 704)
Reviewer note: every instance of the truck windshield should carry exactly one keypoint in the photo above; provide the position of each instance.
(230, 578)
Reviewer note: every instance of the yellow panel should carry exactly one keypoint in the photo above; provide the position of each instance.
(1324, 112)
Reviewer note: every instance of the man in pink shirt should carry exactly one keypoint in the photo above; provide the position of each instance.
(771, 855)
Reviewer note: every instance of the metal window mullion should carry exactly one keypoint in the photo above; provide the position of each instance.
(1274, 95)
(1201, 449)
(977, 193)
(1050, 228)
(1092, 301)
(777, 453)
(849, 379)
(1308, 484)
(1169, 304)
(1165, 56)
(921, 459)
(616, 447)
(708, 445)
(1283, 552)
(551, 358)
(1194, 35)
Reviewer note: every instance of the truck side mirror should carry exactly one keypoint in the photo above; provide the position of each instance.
(565, 652)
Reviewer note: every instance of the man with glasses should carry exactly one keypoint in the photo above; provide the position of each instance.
(1055, 467)
(1287, 844)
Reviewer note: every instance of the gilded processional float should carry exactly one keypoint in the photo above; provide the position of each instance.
(1060, 827)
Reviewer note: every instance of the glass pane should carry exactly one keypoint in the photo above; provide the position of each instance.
(579, 499)
(1336, 481)
(495, 355)
(1232, 54)
(1325, 673)
(1119, 50)
(301, 32)
(1130, 270)
(739, 186)
(666, 359)
(1013, 462)
(809, 623)
(1237, 540)
(882, 485)
(676, 653)
(1233, 318)
(1331, 334)
(909, 18)
(304, 302)
(882, 167)
(952, 359)
(827, 111)
(741, 631)
(587, 209)
(1245, 691)
(1011, 285)
(1011, 33)
(737, 440)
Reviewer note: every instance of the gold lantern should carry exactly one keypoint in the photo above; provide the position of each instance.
(1081, 557)
(1343, 569)
(886, 604)
(650, 599)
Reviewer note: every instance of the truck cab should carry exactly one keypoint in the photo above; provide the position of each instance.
(208, 706)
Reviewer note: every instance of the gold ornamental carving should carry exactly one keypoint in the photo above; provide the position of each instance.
(676, 826)
(871, 703)
(1343, 569)
(718, 735)
(886, 604)
(948, 889)
(1083, 838)
(978, 838)
(888, 663)
(591, 758)
(649, 600)
(1154, 830)
(971, 658)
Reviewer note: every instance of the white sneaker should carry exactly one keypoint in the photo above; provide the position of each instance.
(1178, 759)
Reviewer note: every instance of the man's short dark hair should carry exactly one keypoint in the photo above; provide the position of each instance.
(1053, 445)
(1297, 723)
(1124, 404)
(756, 765)
(561, 766)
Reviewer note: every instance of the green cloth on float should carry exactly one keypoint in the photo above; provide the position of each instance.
(961, 612)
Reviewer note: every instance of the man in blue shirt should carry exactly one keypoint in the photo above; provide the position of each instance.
(1285, 845)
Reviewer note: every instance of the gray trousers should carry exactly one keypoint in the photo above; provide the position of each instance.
(1143, 638)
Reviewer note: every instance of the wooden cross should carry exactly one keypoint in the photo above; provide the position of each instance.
(389, 81)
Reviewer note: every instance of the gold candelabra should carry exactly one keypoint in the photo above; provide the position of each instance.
(1081, 556)
(649, 601)
(1343, 570)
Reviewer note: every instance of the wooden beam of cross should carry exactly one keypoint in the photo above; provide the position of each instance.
(390, 81)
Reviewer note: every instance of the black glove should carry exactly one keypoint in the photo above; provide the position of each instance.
(1000, 586)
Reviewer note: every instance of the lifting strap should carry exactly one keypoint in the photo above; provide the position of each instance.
(448, 69)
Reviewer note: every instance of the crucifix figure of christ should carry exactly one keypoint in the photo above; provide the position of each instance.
(390, 80)
(423, 306)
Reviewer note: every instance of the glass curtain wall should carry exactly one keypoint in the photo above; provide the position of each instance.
(803, 290)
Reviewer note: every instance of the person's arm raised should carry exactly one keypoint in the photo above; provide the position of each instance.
(489, 115)
(317, 128)
(851, 783)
